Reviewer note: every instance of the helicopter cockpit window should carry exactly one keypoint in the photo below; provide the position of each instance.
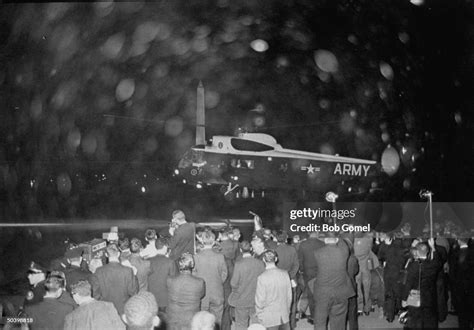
(198, 158)
(241, 144)
(186, 160)
(243, 163)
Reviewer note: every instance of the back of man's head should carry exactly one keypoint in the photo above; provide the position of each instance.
(186, 262)
(208, 238)
(140, 312)
(113, 251)
(81, 288)
(245, 247)
(161, 243)
(135, 245)
(282, 236)
(55, 281)
(270, 256)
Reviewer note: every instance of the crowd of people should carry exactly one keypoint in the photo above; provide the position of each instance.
(190, 278)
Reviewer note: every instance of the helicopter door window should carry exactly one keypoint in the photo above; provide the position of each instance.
(241, 163)
(250, 164)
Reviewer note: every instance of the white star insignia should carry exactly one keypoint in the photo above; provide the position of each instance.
(310, 169)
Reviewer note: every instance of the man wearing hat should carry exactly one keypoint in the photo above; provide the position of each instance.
(36, 277)
(74, 272)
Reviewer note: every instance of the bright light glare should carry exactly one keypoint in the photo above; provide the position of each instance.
(259, 45)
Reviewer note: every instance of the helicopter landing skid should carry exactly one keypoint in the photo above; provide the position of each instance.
(230, 188)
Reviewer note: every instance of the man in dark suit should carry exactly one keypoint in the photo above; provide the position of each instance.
(392, 256)
(51, 312)
(114, 282)
(162, 268)
(422, 275)
(182, 240)
(141, 267)
(352, 270)
(308, 264)
(273, 295)
(332, 285)
(74, 272)
(211, 267)
(288, 260)
(244, 285)
(185, 292)
(462, 289)
(230, 249)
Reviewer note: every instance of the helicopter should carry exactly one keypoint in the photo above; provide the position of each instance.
(249, 164)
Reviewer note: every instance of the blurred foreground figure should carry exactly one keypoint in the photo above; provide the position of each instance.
(273, 295)
(203, 321)
(140, 312)
(184, 295)
(91, 314)
(50, 313)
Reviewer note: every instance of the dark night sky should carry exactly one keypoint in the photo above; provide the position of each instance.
(365, 74)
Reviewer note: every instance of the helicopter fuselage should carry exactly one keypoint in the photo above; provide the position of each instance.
(255, 161)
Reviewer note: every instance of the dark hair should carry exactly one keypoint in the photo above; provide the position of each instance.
(270, 256)
(245, 246)
(161, 243)
(54, 281)
(282, 236)
(150, 234)
(124, 244)
(135, 245)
